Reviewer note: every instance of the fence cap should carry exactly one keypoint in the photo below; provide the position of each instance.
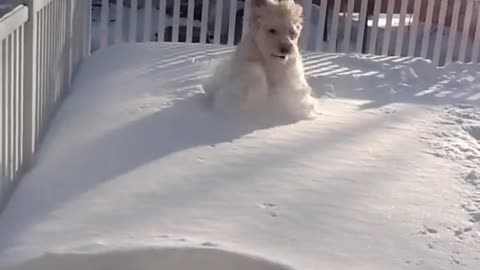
(13, 20)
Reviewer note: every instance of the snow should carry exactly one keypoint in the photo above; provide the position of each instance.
(386, 177)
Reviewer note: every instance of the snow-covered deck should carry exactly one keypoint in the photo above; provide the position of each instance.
(386, 178)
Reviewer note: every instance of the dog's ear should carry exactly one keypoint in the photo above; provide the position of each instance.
(257, 9)
(298, 10)
(298, 15)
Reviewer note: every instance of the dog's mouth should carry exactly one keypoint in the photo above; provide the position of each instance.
(283, 57)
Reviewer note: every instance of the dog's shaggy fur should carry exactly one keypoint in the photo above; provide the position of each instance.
(266, 68)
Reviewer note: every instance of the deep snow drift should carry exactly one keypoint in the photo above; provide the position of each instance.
(387, 177)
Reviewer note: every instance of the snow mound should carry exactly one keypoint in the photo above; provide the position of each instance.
(165, 259)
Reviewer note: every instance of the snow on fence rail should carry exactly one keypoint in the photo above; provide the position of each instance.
(441, 30)
(41, 44)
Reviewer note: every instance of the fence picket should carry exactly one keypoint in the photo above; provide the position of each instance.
(476, 41)
(176, 21)
(15, 101)
(388, 28)
(232, 22)
(204, 23)
(348, 26)
(374, 32)
(246, 16)
(452, 34)
(3, 178)
(218, 22)
(132, 33)
(104, 21)
(414, 30)
(332, 42)
(161, 20)
(147, 22)
(190, 19)
(307, 14)
(21, 101)
(119, 22)
(401, 28)
(8, 88)
(426, 29)
(438, 38)
(361, 30)
(321, 25)
(466, 26)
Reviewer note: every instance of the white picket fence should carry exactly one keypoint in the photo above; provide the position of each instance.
(432, 29)
(42, 43)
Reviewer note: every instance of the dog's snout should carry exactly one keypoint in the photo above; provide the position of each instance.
(286, 48)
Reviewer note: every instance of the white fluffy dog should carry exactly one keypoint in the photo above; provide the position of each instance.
(266, 70)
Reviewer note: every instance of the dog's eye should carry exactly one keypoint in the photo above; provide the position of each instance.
(272, 31)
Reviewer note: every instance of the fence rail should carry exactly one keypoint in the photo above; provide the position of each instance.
(41, 45)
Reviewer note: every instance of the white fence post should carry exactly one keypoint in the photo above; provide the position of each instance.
(401, 30)
(118, 22)
(87, 30)
(333, 35)
(68, 43)
(204, 23)
(307, 14)
(218, 21)
(30, 82)
(438, 38)
(147, 33)
(466, 26)
(132, 30)
(246, 15)
(104, 22)
(231, 22)
(372, 47)
(347, 30)
(322, 20)
(387, 33)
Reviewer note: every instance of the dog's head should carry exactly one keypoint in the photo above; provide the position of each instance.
(276, 26)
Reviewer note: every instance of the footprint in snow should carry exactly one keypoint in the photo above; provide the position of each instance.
(209, 244)
(268, 206)
(428, 230)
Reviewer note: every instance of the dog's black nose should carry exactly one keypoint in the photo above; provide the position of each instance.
(285, 48)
